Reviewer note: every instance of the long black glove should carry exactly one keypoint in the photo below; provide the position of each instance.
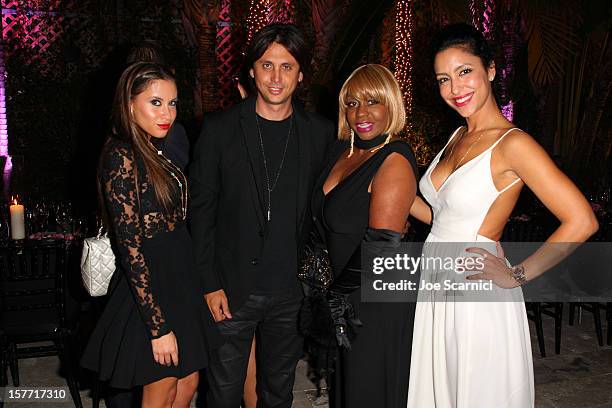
(349, 280)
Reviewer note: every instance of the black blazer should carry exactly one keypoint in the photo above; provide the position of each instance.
(227, 213)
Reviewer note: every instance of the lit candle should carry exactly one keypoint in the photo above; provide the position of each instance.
(17, 220)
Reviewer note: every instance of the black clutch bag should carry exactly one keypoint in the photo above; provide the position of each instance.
(315, 268)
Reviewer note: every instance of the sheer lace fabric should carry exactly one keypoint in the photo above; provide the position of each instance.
(134, 222)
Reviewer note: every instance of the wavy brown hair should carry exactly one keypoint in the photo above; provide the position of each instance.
(134, 80)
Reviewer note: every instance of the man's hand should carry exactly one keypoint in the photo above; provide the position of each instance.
(217, 304)
(165, 350)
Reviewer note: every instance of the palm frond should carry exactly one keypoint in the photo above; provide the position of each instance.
(551, 39)
(360, 20)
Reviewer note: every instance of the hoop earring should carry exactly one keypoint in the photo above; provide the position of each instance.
(352, 143)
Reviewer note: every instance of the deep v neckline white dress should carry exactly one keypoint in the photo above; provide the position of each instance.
(467, 354)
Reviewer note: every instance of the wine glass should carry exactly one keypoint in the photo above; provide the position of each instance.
(41, 215)
(63, 216)
(31, 223)
(79, 226)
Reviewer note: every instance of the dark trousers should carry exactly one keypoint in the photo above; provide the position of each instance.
(273, 320)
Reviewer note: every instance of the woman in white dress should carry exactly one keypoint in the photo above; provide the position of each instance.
(478, 354)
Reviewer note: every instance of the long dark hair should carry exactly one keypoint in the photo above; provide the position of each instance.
(134, 80)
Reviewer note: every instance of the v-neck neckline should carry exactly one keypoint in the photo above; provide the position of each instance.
(455, 171)
(355, 170)
(350, 174)
(488, 149)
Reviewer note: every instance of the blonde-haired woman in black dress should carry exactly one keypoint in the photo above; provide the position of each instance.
(365, 195)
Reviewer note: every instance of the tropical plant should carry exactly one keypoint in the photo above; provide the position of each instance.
(200, 21)
(361, 19)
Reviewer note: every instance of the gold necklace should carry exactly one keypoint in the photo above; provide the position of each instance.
(386, 142)
(466, 152)
(175, 172)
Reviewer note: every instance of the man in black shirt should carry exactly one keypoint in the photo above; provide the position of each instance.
(251, 182)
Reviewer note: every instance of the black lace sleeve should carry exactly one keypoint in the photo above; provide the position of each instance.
(119, 186)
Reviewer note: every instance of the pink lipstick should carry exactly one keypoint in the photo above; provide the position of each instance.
(463, 100)
(364, 127)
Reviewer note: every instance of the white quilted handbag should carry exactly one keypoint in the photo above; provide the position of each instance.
(97, 264)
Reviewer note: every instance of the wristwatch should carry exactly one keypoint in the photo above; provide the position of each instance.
(518, 273)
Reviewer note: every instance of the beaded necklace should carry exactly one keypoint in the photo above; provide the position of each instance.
(176, 173)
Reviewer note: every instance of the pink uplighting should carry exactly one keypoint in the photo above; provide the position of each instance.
(3, 121)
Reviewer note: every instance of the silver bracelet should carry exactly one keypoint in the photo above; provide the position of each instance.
(518, 273)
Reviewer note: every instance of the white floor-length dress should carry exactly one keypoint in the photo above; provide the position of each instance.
(467, 354)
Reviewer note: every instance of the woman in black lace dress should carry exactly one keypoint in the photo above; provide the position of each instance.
(156, 329)
(364, 195)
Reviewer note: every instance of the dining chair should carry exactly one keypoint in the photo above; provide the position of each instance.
(33, 295)
(535, 311)
(595, 308)
(603, 235)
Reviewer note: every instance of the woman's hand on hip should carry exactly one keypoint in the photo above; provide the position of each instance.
(494, 268)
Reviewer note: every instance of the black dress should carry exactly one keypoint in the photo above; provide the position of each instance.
(154, 290)
(375, 372)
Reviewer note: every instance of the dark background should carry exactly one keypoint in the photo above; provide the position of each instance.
(62, 59)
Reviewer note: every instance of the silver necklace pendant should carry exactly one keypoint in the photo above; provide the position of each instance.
(270, 187)
(269, 204)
